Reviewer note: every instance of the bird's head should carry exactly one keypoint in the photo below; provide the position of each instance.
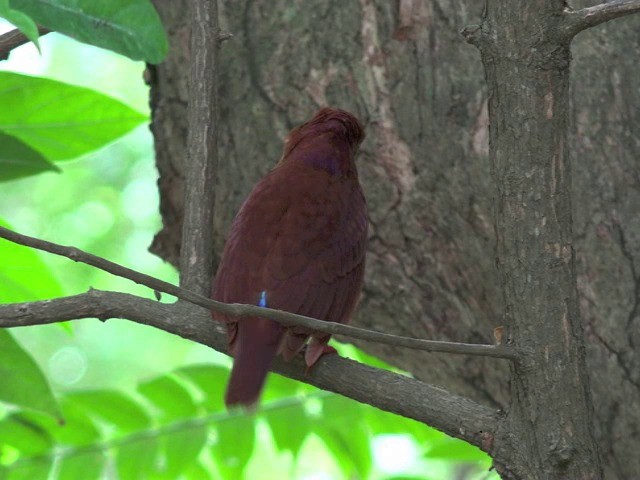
(335, 125)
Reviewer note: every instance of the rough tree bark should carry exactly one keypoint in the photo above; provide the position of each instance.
(404, 69)
(526, 59)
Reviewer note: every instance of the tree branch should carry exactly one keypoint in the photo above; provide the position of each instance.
(239, 310)
(196, 252)
(579, 20)
(457, 416)
(13, 39)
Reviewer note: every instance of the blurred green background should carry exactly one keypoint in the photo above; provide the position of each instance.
(106, 202)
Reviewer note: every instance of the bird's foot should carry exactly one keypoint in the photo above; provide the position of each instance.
(313, 353)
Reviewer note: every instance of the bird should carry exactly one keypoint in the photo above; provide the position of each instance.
(297, 244)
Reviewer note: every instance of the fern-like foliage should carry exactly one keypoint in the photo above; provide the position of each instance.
(175, 426)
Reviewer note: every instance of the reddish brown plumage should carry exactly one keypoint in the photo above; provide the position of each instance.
(300, 238)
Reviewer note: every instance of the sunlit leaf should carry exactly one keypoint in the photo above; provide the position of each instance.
(59, 120)
(336, 447)
(24, 276)
(234, 445)
(170, 397)
(289, 427)
(113, 407)
(345, 433)
(21, 20)
(278, 387)
(78, 428)
(456, 450)
(210, 381)
(409, 477)
(135, 459)
(182, 447)
(86, 466)
(197, 471)
(29, 469)
(17, 159)
(23, 435)
(384, 422)
(130, 27)
(351, 351)
(22, 383)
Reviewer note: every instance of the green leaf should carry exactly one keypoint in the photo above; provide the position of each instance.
(77, 465)
(20, 433)
(170, 397)
(130, 27)
(182, 448)
(113, 407)
(77, 430)
(59, 120)
(346, 434)
(409, 477)
(289, 427)
(22, 382)
(278, 387)
(24, 23)
(336, 447)
(30, 469)
(135, 459)
(234, 445)
(456, 450)
(210, 380)
(17, 159)
(385, 423)
(348, 350)
(197, 471)
(350, 448)
(24, 276)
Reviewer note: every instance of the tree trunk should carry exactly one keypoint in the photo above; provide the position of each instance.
(527, 63)
(403, 68)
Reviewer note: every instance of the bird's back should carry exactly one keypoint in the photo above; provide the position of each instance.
(299, 236)
(297, 244)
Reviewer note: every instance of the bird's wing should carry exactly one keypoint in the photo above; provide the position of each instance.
(252, 236)
(317, 265)
(302, 243)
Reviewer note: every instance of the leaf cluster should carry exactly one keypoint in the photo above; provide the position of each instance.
(175, 426)
(129, 27)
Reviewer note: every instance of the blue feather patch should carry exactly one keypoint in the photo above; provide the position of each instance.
(263, 299)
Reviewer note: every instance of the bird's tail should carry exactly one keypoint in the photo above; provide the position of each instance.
(255, 347)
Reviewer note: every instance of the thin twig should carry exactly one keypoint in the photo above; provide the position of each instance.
(238, 310)
(15, 38)
(196, 252)
(579, 20)
(457, 416)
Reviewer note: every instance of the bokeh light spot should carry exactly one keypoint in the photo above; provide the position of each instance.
(394, 453)
(67, 366)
